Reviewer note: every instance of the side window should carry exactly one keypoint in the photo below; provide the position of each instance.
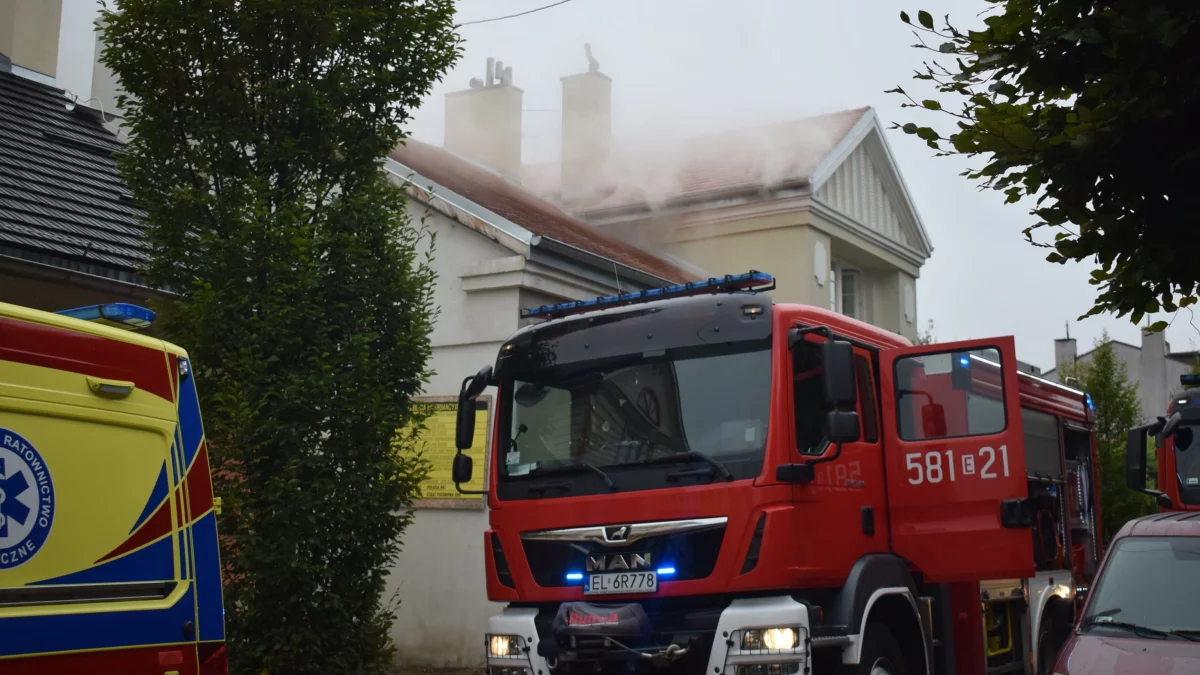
(866, 400)
(1043, 456)
(808, 400)
(950, 394)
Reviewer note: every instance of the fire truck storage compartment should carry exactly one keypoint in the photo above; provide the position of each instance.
(1004, 623)
(1044, 471)
(1077, 442)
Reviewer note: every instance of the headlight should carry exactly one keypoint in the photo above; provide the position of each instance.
(769, 669)
(501, 646)
(774, 639)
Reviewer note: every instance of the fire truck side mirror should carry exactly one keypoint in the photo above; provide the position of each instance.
(472, 387)
(841, 426)
(464, 432)
(462, 468)
(1135, 458)
(1171, 424)
(841, 386)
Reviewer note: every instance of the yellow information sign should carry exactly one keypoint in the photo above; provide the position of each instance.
(438, 447)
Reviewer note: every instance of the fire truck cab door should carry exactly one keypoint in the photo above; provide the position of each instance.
(955, 462)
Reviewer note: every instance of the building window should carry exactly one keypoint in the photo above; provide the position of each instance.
(851, 294)
(847, 292)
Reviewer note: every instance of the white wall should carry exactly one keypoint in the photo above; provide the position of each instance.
(440, 573)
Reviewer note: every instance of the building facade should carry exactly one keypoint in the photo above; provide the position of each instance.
(500, 249)
(819, 202)
(1152, 366)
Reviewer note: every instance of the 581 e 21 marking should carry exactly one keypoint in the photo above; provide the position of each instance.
(935, 467)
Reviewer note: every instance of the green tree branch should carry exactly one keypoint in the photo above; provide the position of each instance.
(1089, 108)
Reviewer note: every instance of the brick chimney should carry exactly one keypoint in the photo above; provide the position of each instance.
(586, 128)
(483, 123)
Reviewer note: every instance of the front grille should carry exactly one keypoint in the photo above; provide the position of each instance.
(690, 622)
(692, 554)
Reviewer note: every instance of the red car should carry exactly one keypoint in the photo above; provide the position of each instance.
(1142, 616)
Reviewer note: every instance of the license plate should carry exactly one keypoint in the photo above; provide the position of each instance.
(621, 582)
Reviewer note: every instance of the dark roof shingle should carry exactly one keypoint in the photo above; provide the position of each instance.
(61, 198)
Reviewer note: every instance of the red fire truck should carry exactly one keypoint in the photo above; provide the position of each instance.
(694, 479)
(1175, 450)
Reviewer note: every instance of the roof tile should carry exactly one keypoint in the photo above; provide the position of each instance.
(522, 207)
(60, 193)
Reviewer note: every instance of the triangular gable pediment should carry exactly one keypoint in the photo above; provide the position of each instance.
(859, 180)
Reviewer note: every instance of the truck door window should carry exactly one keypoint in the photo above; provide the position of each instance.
(1187, 463)
(807, 398)
(866, 400)
(950, 394)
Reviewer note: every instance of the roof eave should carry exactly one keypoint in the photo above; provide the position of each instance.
(598, 261)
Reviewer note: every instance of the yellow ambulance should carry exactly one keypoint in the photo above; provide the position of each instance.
(108, 539)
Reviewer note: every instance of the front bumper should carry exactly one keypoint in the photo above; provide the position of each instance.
(725, 654)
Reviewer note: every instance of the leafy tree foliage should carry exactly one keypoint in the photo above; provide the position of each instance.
(1118, 410)
(302, 290)
(1090, 107)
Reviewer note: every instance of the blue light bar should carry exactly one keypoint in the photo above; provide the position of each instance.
(116, 314)
(1090, 403)
(574, 576)
(666, 571)
(1189, 380)
(751, 281)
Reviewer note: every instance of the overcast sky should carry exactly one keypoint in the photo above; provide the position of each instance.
(684, 67)
(692, 66)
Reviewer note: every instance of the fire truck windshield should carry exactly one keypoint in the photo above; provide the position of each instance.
(1187, 461)
(646, 421)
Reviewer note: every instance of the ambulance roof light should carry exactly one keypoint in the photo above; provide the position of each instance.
(116, 314)
(1190, 379)
(751, 281)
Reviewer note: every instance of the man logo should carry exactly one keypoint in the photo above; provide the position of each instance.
(616, 533)
(618, 562)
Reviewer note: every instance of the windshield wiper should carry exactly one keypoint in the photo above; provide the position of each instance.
(572, 468)
(1144, 631)
(1186, 633)
(691, 454)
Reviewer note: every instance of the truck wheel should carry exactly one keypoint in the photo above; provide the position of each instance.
(880, 654)
(1049, 645)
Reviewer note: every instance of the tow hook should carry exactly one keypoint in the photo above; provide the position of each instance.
(669, 655)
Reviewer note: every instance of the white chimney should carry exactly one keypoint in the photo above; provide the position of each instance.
(1154, 389)
(586, 128)
(483, 123)
(1064, 355)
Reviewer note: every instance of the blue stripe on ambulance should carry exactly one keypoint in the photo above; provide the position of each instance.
(153, 562)
(85, 630)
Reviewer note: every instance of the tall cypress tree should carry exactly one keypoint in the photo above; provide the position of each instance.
(301, 289)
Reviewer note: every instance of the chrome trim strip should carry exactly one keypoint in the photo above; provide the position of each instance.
(623, 535)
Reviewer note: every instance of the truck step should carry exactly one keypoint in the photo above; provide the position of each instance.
(1006, 668)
